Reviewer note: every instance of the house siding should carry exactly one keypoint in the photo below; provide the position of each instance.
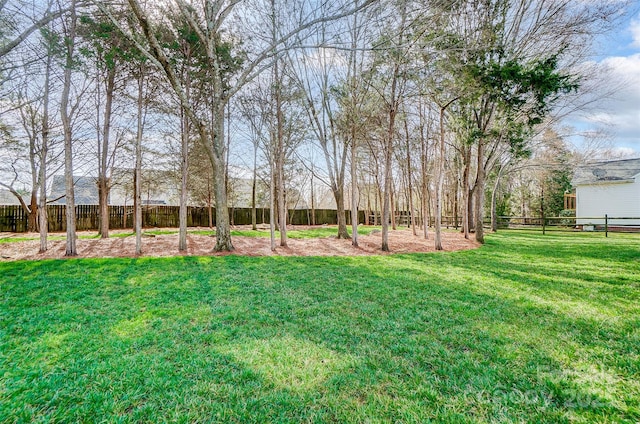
(613, 200)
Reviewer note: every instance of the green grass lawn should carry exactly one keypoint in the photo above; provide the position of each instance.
(529, 328)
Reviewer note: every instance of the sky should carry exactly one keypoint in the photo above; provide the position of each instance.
(619, 113)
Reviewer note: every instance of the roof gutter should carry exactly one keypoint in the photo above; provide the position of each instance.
(604, 182)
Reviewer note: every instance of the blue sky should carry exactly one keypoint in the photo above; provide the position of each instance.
(619, 114)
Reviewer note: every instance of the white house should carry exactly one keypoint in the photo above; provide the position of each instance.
(609, 188)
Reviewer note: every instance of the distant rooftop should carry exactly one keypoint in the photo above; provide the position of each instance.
(8, 198)
(85, 190)
(154, 202)
(607, 171)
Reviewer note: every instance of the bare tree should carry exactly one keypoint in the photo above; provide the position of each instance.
(209, 23)
(391, 66)
(252, 110)
(65, 115)
(313, 77)
(277, 133)
(440, 180)
(43, 219)
(140, 71)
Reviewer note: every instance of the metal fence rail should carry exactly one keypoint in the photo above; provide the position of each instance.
(604, 224)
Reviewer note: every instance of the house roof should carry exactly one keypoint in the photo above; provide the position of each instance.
(85, 190)
(159, 187)
(156, 185)
(613, 171)
(8, 198)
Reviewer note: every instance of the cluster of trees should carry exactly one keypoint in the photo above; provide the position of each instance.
(438, 106)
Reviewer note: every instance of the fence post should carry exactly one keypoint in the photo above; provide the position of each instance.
(544, 225)
(606, 225)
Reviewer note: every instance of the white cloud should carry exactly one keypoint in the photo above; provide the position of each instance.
(611, 94)
(625, 152)
(620, 111)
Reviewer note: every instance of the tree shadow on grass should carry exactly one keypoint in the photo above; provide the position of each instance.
(405, 338)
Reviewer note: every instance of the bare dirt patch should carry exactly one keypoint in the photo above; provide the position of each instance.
(400, 241)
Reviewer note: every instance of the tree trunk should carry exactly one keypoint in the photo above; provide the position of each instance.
(103, 199)
(379, 208)
(32, 218)
(354, 194)
(455, 207)
(494, 216)
(368, 211)
(386, 215)
(279, 153)
(229, 187)
(137, 198)
(103, 149)
(388, 148)
(281, 198)
(470, 208)
(223, 230)
(32, 209)
(466, 198)
(209, 203)
(439, 186)
(341, 218)
(254, 217)
(393, 207)
(313, 204)
(282, 207)
(71, 249)
(425, 185)
(182, 236)
(184, 168)
(409, 182)
(43, 219)
(137, 179)
(479, 188)
(272, 200)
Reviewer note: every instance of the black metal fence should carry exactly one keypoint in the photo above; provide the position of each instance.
(602, 224)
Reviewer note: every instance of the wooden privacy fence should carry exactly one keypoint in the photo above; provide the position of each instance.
(14, 219)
